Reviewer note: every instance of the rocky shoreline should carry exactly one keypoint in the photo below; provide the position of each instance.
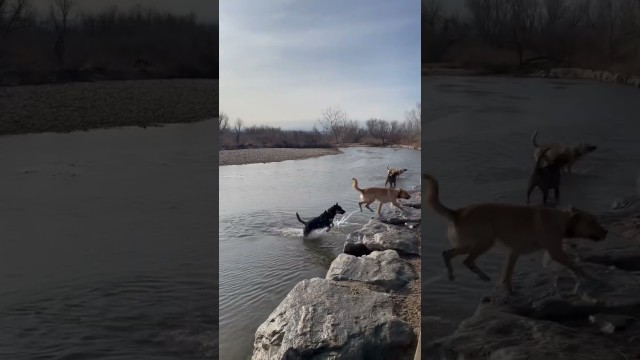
(603, 76)
(551, 316)
(368, 304)
(70, 107)
(267, 155)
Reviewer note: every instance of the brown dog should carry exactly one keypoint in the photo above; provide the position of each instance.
(392, 175)
(395, 171)
(474, 229)
(382, 195)
(563, 155)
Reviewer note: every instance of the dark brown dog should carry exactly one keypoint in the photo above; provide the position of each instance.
(545, 178)
(561, 154)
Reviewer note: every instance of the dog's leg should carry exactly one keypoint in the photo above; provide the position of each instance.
(447, 255)
(398, 205)
(470, 261)
(561, 257)
(508, 270)
(361, 203)
(379, 208)
(367, 205)
(529, 192)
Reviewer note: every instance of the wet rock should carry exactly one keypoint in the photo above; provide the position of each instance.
(609, 323)
(376, 235)
(381, 268)
(549, 317)
(324, 319)
(627, 258)
(392, 215)
(415, 201)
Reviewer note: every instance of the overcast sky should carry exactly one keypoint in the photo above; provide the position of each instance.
(205, 10)
(283, 61)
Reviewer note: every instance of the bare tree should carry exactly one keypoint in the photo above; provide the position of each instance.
(332, 121)
(14, 15)
(60, 16)
(413, 120)
(352, 132)
(223, 123)
(237, 129)
(378, 129)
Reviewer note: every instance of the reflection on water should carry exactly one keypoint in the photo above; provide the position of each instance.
(106, 247)
(477, 142)
(262, 252)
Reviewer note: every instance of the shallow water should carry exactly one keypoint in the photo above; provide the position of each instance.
(108, 244)
(262, 252)
(476, 140)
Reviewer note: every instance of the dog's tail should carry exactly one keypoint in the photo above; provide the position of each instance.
(355, 186)
(534, 139)
(541, 157)
(302, 221)
(433, 197)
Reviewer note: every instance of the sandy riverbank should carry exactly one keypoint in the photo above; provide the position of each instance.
(255, 156)
(106, 104)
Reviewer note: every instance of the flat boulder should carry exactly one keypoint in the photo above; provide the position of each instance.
(324, 319)
(380, 268)
(394, 216)
(552, 315)
(378, 236)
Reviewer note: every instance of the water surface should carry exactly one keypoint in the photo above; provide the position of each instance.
(108, 244)
(262, 252)
(476, 140)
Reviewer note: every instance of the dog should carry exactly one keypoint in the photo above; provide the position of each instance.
(325, 220)
(391, 179)
(392, 175)
(382, 195)
(474, 229)
(564, 155)
(546, 178)
(398, 172)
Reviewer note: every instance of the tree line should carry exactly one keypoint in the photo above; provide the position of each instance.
(333, 127)
(41, 47)
(598, 34)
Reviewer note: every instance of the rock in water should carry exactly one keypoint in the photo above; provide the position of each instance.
(381, 268)
(378, 236)
(324, 319)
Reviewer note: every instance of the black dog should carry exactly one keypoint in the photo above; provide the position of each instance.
(391, 179)
(546, 178)
(322, 221)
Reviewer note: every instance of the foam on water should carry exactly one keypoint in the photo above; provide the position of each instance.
(342, 220)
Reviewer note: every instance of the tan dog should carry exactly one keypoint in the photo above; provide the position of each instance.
(382, 195)
(563, 155)
(474, 229)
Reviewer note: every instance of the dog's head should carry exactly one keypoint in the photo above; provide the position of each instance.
(582, 224)
(336, 209)
(403, 194)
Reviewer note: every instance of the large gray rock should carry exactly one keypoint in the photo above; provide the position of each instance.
(378, 236)
(324, 319)
(381, 268)
(551, 316)
(392, 215)
(415, 201)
